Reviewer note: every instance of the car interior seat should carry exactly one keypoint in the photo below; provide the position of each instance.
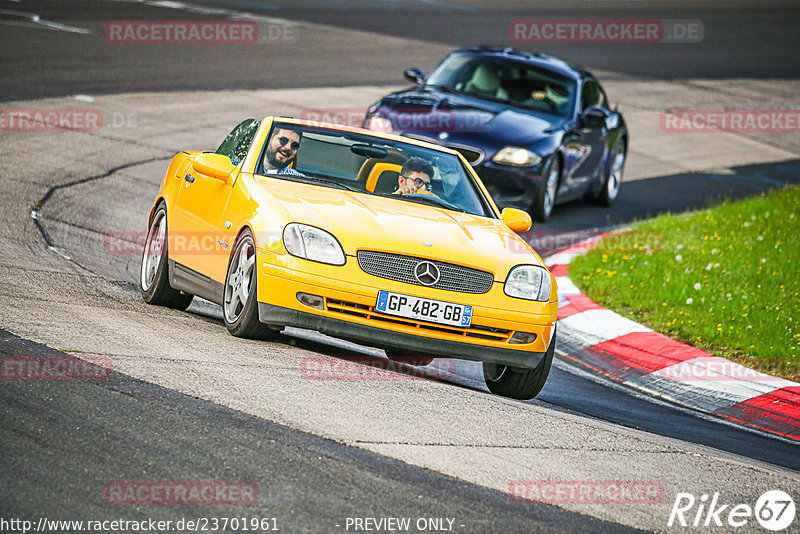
(486, 82)
(386, 180)
(380, 175)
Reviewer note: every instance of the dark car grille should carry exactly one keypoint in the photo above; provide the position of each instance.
(401, 269)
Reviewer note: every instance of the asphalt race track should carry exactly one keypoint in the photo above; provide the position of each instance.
(188, 402)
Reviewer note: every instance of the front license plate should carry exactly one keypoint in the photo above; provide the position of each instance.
(423, 309)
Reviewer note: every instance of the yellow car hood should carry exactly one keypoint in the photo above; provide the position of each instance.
(367, 222)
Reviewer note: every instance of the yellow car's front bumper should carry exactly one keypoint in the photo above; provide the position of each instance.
(350, 295)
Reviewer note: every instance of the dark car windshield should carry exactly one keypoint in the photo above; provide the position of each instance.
(363, 163)
(507, 81)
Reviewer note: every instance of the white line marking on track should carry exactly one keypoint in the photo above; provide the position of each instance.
(34, 19)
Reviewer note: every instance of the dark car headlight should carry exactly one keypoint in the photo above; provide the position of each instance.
(517, 156)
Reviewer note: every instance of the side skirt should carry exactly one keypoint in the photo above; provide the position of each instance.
(188, 280)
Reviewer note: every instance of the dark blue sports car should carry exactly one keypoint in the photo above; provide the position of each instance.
(537, 130)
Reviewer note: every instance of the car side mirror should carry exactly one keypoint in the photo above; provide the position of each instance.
(594, 116)
(414, 75)
(517, 220)
(214, 165)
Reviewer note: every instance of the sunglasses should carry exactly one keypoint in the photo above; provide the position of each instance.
(285, 140)
(421, 184)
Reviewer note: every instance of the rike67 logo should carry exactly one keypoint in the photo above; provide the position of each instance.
(774, 510)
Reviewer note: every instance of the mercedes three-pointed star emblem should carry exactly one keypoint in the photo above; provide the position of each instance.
(426, 273)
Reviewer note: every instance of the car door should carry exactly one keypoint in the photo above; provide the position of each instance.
(199, 235)
(196, 222)
(584, 153)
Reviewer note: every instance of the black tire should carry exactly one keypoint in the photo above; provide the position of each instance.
(612, 182)
(154, 270)
(518, 383)
(546, 193)
(241, 318)
(410, 357)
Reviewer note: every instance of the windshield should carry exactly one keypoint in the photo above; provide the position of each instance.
(507, 81)
(370, 165)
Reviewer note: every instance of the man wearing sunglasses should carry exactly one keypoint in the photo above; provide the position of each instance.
(282, 150)
(415, 177)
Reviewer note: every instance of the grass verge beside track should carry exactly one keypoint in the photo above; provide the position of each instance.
(724, 279)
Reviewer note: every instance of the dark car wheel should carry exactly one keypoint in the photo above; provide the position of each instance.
(546, 193)
(409, 357)
(240, 300)
(154, 274)
(518, 383)
(613, 180)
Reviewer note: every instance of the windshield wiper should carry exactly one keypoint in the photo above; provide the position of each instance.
(426, 199)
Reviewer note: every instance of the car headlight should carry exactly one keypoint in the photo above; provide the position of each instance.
(313, 244)
(521, 157)
(529, 282)
(377, 123)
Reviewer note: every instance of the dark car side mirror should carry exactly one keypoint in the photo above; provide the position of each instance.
(594, 116)
(414, 75)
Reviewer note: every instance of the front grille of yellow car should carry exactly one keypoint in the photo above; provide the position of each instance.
(368, 312)
(401, 269)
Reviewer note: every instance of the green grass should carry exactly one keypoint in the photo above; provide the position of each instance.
(725, 279)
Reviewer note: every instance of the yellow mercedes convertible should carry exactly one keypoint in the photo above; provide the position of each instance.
(379, 239)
